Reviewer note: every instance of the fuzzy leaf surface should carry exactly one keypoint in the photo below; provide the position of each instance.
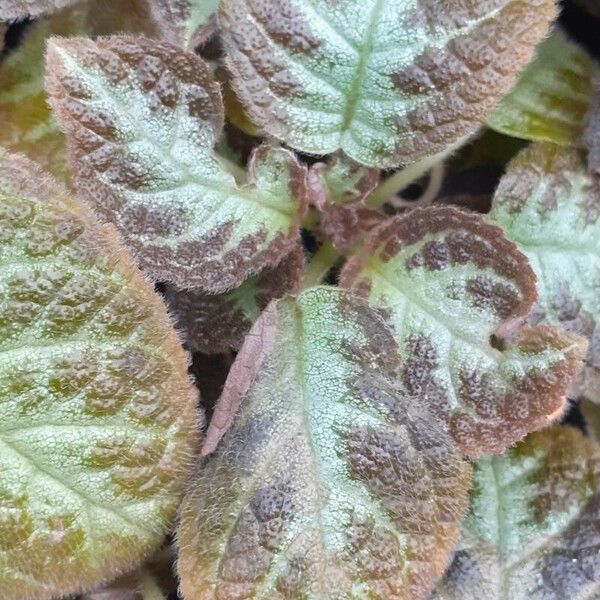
(97, 414)
(533, 529)
(19, 9)
(550, 206)
(142, 117)
(552, 97)
(331, 482)
(26, 122)
(388, 82)
(214, 324)
(449, 281)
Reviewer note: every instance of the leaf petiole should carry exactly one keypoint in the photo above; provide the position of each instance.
(324, 259)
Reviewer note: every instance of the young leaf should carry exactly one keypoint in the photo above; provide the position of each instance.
(338, 189)
(141, 118)
(551, 98)
(199, 14)
(332, 481)
(19, 9)
(97, 414)
(216, 324)
(550, 206)
(449, 282)
(532, 529)
(389, 82)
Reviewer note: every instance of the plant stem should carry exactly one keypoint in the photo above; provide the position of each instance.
(150, 589)
(322, 262)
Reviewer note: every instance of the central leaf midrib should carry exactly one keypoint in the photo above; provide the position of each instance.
(358, 76)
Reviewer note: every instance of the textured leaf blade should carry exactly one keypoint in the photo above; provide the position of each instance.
(97, 414)
(532, 530)
(324, 76)
(550, 206)
(449, 281)
(142, 118)
(26, 123)
(330, 483)
(552, 97)
(215, 324)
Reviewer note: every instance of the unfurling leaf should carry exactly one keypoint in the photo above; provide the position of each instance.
(388, 82)
(533, 529)
(19, 9)
(552, 97)
(332, 482)
(449, 282)
(97, 414)
(141, 118)
(216, 324)
(26, 123)
(550, 206)
(338, 190)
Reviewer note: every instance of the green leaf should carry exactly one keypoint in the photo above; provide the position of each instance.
(98, 418)
(338, 189)
(219, 323)
(389, 82)
(455, 289)
(332, 482)
(551, 98)
(19, 9)
(142, 117)
(532, 529)
(199, 15)
(549, 205)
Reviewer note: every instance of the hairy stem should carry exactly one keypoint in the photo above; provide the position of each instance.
(150, 590)
(324, 259)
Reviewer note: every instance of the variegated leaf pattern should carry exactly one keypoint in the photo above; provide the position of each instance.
(550, 206)
(332, 482)
(216, 324)
(26, 122)
(98, 418)
(552, 97)
(19, 9)
(388, 82)
(141, 118)
(533, 529)
(338, 189)
(449, 283)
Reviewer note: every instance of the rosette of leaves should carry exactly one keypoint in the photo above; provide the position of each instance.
(532, 528)
(98, 420)
(141, 118)
(550, 205)
(327, 76)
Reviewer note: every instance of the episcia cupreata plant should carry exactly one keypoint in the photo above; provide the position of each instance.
(221, 188)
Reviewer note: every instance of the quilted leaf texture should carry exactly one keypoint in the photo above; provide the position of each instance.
(216, 324)
(389, 82)
(533, 529)
(141, 118)
(449, 282)
(19, 9)
(26, 122)
(549, 204)
(331, 482)
(552, 97)
(98, 419)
